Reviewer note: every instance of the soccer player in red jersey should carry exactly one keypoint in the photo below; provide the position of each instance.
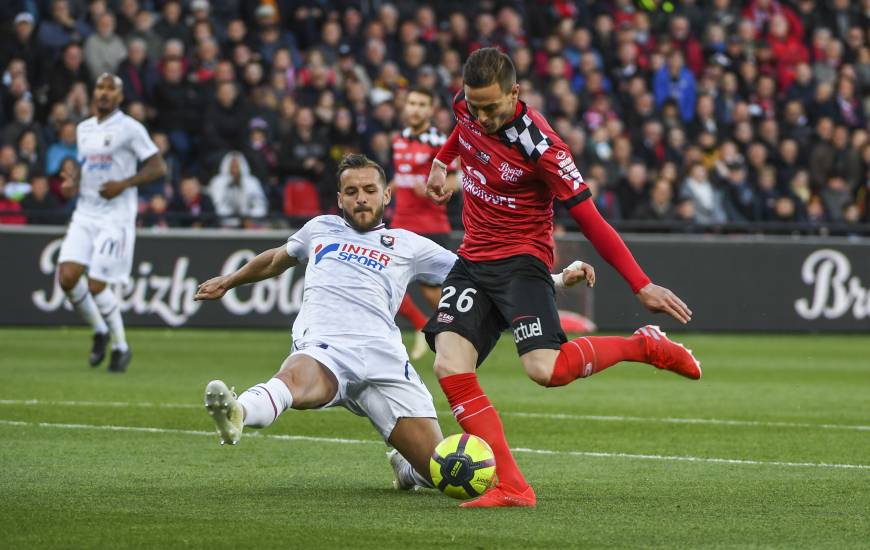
(414, 149)
(513, 166)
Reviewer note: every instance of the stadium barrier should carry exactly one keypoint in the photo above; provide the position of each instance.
(732, 283)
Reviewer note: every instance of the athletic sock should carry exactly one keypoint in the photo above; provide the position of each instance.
(408, 476)
(264, 402)
(81, 299)
(477, 416)
(409, 310)
(585, 356)
(110, 309)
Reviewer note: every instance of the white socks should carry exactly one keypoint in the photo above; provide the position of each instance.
(409, 476)
(81, 299)
(110, 309)
(264, 402)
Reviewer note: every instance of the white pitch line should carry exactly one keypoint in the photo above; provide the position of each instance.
(548, 416)
(589, 454)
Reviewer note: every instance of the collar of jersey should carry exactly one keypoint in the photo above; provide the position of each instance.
(108, 118)
(408, 134)
(381, 225)
(517, 122)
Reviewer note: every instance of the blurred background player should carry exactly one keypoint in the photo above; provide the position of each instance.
(513, 166)
(414, 149)
(356, 360)
(101, 235)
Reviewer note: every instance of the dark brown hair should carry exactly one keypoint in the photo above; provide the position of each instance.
(488, 66)
(423, 91)
(355, 161)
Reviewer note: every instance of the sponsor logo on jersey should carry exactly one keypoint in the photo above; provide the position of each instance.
(107, 140)
(527, 327)
(388, 240)
(99, 162)
(568, 171)
(483, 157)
(352, 253)
(464, 143)
(509, 174)
(470, 186)
(445, 318)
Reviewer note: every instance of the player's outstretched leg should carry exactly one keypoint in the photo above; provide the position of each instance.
(585, 356)
(414, 439)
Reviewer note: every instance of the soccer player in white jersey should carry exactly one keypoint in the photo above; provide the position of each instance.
(347, 349)
(100, 238)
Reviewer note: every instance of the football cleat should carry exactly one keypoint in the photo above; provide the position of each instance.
(119, 360)
(98, 349)
(420, 347)
(666, 354)
(502, 496)
(397, 461)
(226, 412)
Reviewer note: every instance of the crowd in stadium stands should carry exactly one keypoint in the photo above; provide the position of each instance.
(713, 112)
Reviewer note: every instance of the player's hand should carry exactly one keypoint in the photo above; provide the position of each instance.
(69, 187)
(578, 271)
(112, 189)
(659, 299)
(213, 289)
(436, 186)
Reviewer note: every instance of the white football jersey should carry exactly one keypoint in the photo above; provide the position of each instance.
(355, 281)
(110, 150)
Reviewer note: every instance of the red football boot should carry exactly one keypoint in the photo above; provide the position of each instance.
(503, 496)
(665, 354)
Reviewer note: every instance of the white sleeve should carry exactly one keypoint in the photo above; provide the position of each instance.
(432, 262)
(141, 142)
(297, 244)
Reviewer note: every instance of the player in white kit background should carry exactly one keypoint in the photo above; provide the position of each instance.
(100, 238)
(347, 349)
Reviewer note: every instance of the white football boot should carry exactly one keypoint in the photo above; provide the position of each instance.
(398, 462)
(225, 410)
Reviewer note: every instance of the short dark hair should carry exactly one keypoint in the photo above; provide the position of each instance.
(488, 66)
(355, 161)
(423, 91)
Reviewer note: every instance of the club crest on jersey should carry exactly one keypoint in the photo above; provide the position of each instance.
(370, 258)
(388, 240)
(107, 140)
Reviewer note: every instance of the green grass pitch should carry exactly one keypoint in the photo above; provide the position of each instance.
(771, 449)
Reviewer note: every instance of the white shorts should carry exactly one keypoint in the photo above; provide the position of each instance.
(375, 381)
(106, 249)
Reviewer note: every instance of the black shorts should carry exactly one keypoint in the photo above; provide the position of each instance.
(479, 300)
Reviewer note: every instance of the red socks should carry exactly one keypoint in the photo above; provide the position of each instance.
(412, 313)
(585, 356)
(477, 416)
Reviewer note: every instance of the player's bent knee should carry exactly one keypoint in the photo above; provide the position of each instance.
(539, 366)
(95, 287)
(67, 276)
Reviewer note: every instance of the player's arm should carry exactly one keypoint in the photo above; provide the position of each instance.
(566, 183)
(266, 265)
(437, 186)
(153, 168)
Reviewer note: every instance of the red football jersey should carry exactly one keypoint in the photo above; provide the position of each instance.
(412, 160)
(510, 179)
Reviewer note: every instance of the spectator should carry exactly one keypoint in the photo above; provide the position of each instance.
(175, 102)
(190, 207)
(65, 148)
(63, 28)
(9, 209)
(708, 202)
(304, 154)
(139, 75)
(22, 44)
(836, 195)
(675, 81)
(741, 202)
(659, 206)
(24, 120)
(40, 205)
(226, 123)
(170, 25)
(155, 214)
(104, 50)
(632, 190)
(67, 71)
(30, 152)
(236, 193)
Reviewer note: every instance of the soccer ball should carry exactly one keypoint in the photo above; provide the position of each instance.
(462, 466)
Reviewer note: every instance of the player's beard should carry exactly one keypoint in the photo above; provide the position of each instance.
(377, 216)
